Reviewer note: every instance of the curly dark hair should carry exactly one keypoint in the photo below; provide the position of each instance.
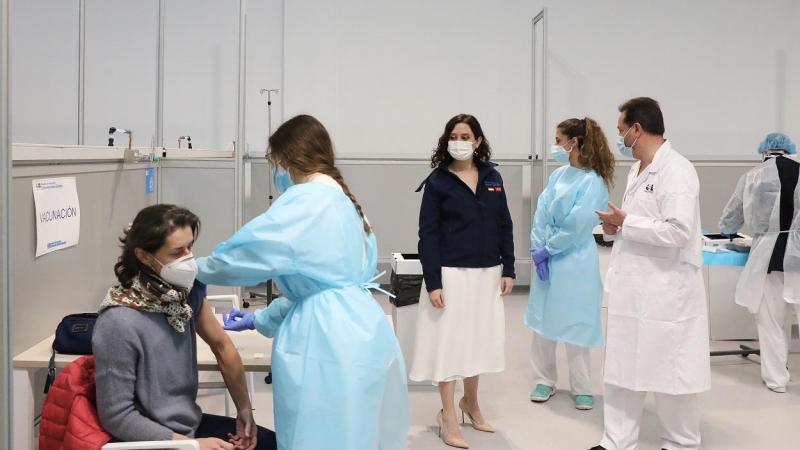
(149, 231)
(483, 153)
(593, 151)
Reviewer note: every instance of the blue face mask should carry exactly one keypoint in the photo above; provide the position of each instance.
(624, 149)
(560, 154)
(281, 179)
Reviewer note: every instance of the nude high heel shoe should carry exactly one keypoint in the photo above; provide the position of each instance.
(457, 442)
(485, 427)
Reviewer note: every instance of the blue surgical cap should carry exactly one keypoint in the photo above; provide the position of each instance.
(777, 141)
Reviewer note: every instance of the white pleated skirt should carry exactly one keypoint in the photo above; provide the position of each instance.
(467, 338)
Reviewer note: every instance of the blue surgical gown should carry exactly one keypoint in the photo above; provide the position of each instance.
(338, 372)
(567, 306)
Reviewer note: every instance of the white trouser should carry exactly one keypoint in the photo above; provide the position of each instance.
(770, 319)
(679, 416)
(543, 361)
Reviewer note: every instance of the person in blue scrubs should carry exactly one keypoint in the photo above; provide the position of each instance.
(566, 292)
(338, 372)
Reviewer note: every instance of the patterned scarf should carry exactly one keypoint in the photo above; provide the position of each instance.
(148, 292)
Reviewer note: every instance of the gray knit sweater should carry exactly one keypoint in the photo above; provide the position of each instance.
(146, 374)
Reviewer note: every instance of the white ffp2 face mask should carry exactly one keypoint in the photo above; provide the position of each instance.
(460, 150)
(180, 272)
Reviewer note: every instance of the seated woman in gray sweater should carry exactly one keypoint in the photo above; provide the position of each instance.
(145, 346)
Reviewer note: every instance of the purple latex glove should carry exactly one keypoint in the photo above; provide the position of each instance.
(541, 257)
(543, 270)
(238, 321)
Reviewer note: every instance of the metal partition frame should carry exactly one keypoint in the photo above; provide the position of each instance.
(6, 400)
(162, 13)
(540, 20)
(81, 71)
(241, 121)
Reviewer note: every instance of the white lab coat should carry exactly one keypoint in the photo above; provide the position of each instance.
(657, 336)
(756, 204)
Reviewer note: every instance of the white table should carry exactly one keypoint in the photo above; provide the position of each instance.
(254, 349)
(727, 320)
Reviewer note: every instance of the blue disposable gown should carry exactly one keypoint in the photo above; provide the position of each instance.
(567, 307)
(338, 372)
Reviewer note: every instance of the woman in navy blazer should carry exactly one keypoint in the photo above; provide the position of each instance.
(467, 252)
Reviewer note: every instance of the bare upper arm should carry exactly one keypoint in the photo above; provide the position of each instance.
(211, 331)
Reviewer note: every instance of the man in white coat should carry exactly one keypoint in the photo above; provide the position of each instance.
(764, 201)
(657, 335)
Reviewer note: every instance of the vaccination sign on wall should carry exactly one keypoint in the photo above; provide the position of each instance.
(58, 214)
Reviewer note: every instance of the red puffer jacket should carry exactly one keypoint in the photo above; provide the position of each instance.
(69, 415)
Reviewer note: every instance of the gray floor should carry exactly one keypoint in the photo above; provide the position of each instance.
(740, 413)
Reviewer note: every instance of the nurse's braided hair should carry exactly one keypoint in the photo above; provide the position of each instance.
(594, 151)
(303, 146)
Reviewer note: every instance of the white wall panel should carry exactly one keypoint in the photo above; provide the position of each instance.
(385, 76)
(121, 69)
(44, 71)
(200, 72)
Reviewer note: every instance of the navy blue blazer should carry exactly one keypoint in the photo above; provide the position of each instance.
(459, 228)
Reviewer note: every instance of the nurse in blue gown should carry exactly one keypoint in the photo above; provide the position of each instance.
(338, 372)
(566, 292)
